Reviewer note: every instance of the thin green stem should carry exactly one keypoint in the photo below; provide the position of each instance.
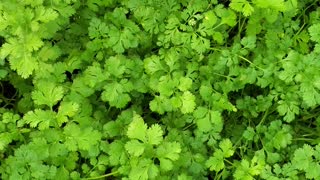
(187, 127)
(247, 60)
(240, 25)
(299, 30)
(217, 26)
(216, 49)
(228, 77)
(303, 139)
(241, 57)
(264, 117)
(226, 160)
(103, 176)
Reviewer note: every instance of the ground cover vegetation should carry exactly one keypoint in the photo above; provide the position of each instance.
(160, 89)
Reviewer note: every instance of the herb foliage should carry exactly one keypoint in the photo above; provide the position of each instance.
(150, 89)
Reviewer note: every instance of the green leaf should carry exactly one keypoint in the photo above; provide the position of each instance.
(154, 135)
(242, 171)
(282, 139)
(3, 73)
(144, 170)
(81, 138)
(153, 64)
(249, 134)
(165, 164)
(249, 42)
(9, 117)
(117, 153)
(242, 6)
(137, 129)
(226, 147)
(185, 83)
(169, 150)
(34, 43)
(47, 93)
(5, 139)
(288, 110)
(48, 52)
(114, 65)
(206, 92)
(210, 19)
(248, 170)
(216, 119)
(314, 171)
(94, 75)
(204, 124)
(97, 28)
(303, 157)
(216, 162)
(273, 4)
(200, 44)
(24, 65)
(66, 109)
(227, 16)
(39, 118)
(314, 32)
(160, 104)
(80, 87)
(188, 102)
(200, 112)
(135, 148)
(45, 15)
(116, 93)
(166, 85)
(120, 40)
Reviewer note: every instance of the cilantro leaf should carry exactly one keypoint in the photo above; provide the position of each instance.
(117, 152)
(204, 123)
(116, 93)
(135, 148)
(200, 44)
(168, 152)
(216, 162)
(121, 39)
(137, 129)
(166, 85)
(210, 19)
(143, 170)
(242, 6)
(161, 104)
(247, 169)
(97, 29)
(249, 42)
(288, 110)
(80, 138)
(47, 93)
(66, 110)
(227, 16)
(153, 64)
(40, 118)
(114, 65)
(314, 32)
(303, 157)
(94, 75)
(154, 134)
(226, 147)
(188, 102)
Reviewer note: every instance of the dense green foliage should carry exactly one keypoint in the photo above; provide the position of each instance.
(160, 89)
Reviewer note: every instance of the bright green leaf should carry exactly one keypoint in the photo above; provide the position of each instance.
(137, 128)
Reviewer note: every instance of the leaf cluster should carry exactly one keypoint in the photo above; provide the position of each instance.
(150, 89)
